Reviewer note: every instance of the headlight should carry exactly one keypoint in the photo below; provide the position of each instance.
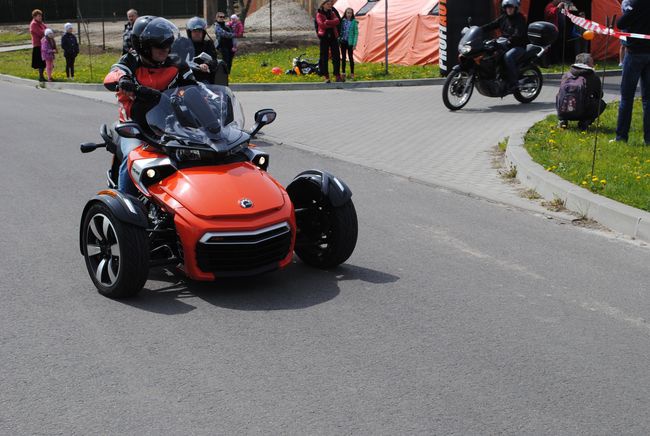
(466, 49)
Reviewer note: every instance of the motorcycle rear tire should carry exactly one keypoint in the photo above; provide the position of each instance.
(533, 71)
(448, 88)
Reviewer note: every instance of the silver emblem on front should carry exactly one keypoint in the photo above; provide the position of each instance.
(246, 203)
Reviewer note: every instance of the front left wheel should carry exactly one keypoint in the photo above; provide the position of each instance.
(327, 235)
(457, 90)
(116, 253)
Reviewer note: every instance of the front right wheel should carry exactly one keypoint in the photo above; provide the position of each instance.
(457, 90)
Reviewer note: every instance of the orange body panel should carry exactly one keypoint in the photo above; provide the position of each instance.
(206, 199)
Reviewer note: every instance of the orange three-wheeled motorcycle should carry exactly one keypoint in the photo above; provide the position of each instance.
(206, 203)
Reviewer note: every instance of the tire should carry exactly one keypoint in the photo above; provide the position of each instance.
(530, 84)
(452, 96)
(328, 235)
(120, 275)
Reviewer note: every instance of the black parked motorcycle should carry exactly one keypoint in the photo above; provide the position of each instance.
(480, 65)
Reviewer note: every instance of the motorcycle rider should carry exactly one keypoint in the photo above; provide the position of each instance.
(512, 25)
(147, 65)
(196, 32)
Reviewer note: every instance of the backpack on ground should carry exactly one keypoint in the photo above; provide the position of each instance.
(571, 100)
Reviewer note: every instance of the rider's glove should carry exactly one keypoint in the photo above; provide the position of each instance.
(127, 84)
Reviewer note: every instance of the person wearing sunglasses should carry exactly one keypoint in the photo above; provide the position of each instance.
(225, 37)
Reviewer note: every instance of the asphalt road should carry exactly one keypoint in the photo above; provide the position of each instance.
(455, 315)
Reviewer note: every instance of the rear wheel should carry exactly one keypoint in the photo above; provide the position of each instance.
(457, 90)
(530, 84)
(327, 235)
(116, 253)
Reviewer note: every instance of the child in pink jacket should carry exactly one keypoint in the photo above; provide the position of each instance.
(48, 51)
(237, 28)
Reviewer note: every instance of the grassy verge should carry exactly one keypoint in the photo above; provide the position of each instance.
(250, 68)
(622, 171)
(8, 38)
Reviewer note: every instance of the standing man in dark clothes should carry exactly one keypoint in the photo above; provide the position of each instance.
(636, 65)
(512, 25)
(131, 15)
(224, 36)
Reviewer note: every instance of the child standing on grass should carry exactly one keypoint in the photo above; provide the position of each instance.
(237, 28)
(48, 51)
(70, 48)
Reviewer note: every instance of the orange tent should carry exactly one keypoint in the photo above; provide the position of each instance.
(412, 32)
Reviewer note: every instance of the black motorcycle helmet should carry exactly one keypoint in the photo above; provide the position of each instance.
(150, 31)
(196, 23)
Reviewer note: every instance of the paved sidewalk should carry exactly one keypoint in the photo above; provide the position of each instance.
(15, 47)
(405, 131)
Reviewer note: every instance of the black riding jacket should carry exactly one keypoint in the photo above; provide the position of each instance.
(512, 27)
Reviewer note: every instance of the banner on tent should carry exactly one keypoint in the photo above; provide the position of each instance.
(600, 29)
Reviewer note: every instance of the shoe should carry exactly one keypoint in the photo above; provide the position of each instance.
(339, 78)
(562, 124)
(352, 76)
(617, 139)
(583, 125)
(326, 79)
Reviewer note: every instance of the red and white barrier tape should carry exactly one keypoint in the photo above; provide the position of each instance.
(600, 29)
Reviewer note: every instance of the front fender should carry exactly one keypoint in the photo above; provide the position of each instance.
(126, 208)
(333, 190)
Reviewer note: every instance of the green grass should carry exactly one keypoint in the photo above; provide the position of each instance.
(250, 68)
(610, 64)
(256, 68)
(19, 63)
(622, 171)
(8, 38)
(247, 68)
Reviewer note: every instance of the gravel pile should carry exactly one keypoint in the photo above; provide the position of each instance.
(287, 15)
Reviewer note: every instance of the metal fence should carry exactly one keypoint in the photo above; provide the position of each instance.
(20, 11)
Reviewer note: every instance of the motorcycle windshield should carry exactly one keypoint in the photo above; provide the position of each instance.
(198, 115)
(473, 37)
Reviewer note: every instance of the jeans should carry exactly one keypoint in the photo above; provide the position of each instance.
(124, 182)
(510, 60)
(635, 66)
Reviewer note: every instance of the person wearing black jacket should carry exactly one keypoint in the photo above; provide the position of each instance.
(70, 47)
(512, 25)
(636, 65)
(196, 32)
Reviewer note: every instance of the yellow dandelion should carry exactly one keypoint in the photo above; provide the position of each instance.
(603, 181)
(584, 183)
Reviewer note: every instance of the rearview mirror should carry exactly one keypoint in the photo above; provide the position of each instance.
(129, 130)
(262, 118)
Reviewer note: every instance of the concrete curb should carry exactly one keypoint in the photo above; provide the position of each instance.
(617, 216)
(244, 86)
(273, 86)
